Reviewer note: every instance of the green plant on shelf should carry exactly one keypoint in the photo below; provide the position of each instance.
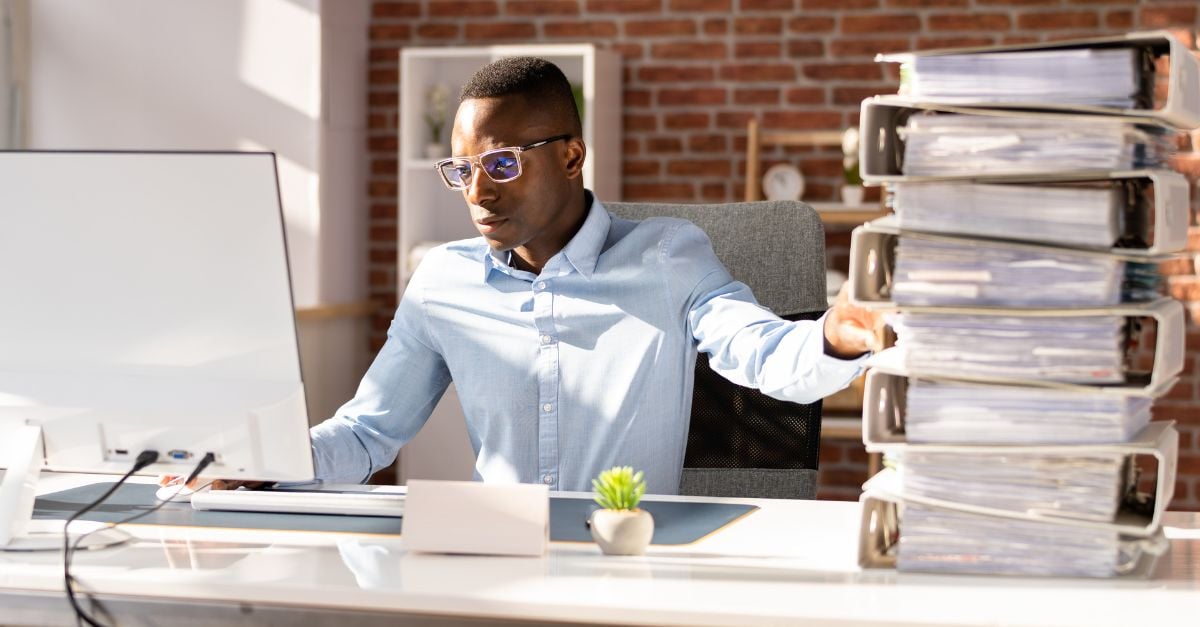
(619, 488)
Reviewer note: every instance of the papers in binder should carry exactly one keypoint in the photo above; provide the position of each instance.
(943, 411)
(1128, 212)
(969, 144)
(1073, 349)
(1099, 77)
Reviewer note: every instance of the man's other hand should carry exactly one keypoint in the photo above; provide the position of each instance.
(851, 330)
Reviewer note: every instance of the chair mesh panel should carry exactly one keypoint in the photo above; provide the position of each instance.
(737, 427)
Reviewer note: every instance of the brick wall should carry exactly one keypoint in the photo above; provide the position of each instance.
(696, 70)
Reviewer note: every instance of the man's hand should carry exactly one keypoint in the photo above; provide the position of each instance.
(217, 484)
(851, 330)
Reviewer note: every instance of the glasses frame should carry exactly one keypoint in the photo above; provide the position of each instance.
(477, 161)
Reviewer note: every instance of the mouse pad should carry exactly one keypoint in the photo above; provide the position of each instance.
(674, 522)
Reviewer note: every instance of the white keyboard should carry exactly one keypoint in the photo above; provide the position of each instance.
(344, 503)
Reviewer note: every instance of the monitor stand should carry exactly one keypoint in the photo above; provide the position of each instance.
(18, 530)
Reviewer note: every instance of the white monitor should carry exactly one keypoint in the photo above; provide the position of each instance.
(145, 303)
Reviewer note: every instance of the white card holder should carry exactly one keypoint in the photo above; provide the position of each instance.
(470, 517)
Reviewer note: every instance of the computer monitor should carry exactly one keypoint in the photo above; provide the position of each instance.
(145, 303)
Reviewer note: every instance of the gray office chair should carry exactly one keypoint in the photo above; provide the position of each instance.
(741, 442)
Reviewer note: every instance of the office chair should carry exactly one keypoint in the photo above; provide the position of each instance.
(742, 442)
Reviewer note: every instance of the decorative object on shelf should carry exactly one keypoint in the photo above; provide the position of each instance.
(783, 181)
(621, 528)
(437, 100)
(852, 188)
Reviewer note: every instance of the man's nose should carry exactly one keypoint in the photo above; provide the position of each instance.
(480, 188)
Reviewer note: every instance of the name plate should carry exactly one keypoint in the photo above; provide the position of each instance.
(476, 518)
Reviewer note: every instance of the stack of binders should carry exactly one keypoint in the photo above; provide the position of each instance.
(1032, 208)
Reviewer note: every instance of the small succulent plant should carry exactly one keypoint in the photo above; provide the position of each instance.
(619, 488)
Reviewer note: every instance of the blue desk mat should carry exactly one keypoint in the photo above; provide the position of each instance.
(674, 522)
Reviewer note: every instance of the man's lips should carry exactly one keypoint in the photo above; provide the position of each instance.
(487, 225)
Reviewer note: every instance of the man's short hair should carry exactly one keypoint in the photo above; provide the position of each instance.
(535, 80)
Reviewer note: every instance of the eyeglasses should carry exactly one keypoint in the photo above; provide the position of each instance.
(501, 165)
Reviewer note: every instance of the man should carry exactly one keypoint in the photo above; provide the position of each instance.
(571, 335)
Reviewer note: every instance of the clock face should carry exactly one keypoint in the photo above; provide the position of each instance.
(783, 181)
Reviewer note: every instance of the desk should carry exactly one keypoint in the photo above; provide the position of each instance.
(790, 562)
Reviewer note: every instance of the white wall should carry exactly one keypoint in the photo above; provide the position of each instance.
(287, 76)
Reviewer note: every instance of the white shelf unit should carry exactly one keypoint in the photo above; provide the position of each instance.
(428, 212)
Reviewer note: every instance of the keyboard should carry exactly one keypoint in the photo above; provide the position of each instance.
(296, 502)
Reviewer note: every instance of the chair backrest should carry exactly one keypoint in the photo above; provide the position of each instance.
(742, 442)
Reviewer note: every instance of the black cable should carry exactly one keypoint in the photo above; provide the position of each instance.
(80, 615)
(145, 458)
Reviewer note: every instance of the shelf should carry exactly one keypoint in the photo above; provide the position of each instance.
(840, 214)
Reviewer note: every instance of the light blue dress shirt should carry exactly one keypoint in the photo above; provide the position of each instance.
(585, 366)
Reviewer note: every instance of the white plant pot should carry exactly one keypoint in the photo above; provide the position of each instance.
(852, 195)
(435, 151)
(622, 532)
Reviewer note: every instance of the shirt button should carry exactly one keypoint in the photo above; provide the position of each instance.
(541, 285)
(547, 479)
(547, 407)
(546, 339)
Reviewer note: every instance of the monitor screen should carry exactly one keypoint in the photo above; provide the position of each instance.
(145, 303)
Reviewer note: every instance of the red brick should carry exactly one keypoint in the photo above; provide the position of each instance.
(485, 31)
(831, 453)
(659, 145)
(714, 192)
(381, 256)
(638, 122)
(640, 168)
(1179, 266)
(707, 143)
(1188, 163)
(811, 24)
(541, 7)
(437, 31)
(580, 29)
(805, 95)
(805, 48)
(380, 32)
(386, 143)
(665, 74)
(696, 96)
(924, 4)
(628, 51)
(701, 5)
(384, 54)
(768, 5)
(412, 8)
(1018, 2)
(689, 50)
(624, 6)
(759, 49)
(1161, 17)
(716, 27)
(872, 24)
(1118, 19)
(847, 71)
(654, 28)
(866, 47)
(801, 119)
(383, 189)
(386, 165)
(926, 43)
(377, 121)
(756, 96)
(854, 95)
(758, 26)
(1054, 20)
(1106, 1)
(733, 119)
(643, 192)
(382, 233)
(686, 120)
(974, 21)
(825, 5)
(697, 167)
(637, 98)
(759, 72)
(463, 8)
(383, 76)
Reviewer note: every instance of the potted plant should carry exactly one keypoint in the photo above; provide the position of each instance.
(620, 528)
(436, 102)
(852, 189)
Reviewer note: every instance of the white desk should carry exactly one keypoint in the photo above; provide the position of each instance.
(790, 562)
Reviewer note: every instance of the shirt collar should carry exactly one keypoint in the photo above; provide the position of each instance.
(582, 252)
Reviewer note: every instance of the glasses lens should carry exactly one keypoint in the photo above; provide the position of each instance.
(502, 165)
(457, 172)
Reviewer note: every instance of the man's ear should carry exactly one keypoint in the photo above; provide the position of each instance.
(575, 153)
